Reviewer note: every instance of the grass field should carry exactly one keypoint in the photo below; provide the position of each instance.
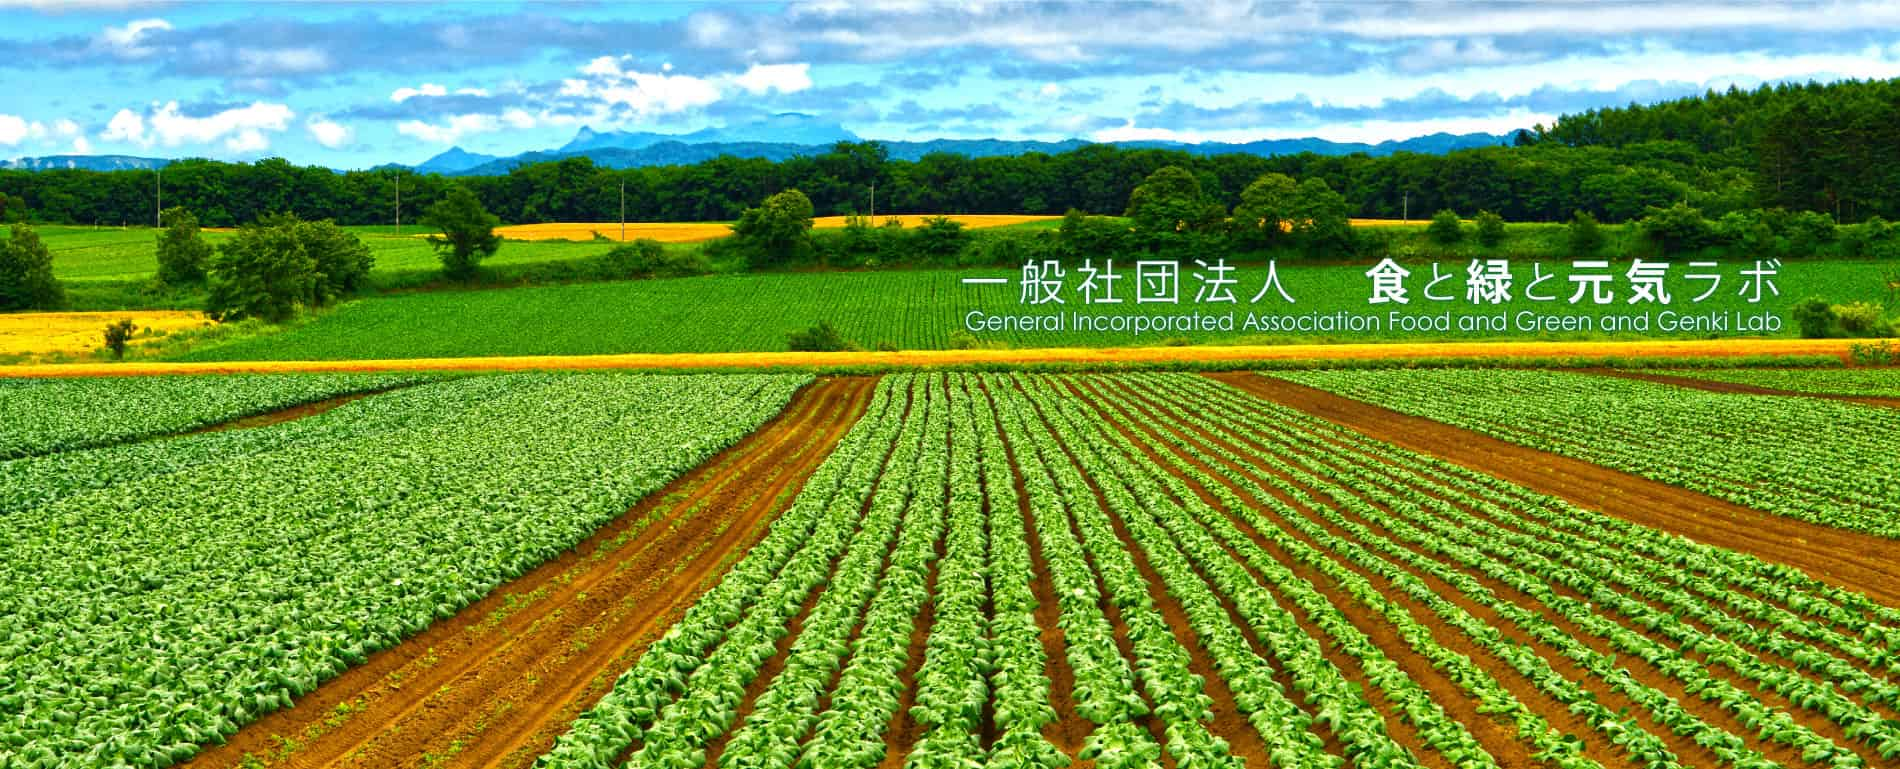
(950, 569)
(919, 309)
(696, 232)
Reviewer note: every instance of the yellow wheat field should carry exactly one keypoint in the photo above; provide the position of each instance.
(693, 232)
(42, 333)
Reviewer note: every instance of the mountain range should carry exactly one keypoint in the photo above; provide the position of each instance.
(792, 134)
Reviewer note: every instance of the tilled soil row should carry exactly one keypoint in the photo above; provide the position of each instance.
(496, 683)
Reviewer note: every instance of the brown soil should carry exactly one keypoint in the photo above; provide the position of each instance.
(1859, 562)
(496, 683)
(1236, 354)
(291, 414)
(1737, 388)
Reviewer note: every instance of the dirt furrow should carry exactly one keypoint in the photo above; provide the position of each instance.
(512, 668)
(1859, 562)
(1737, 388)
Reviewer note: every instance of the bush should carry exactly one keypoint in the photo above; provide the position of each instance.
(1585, 238)
(182, 251)
(1862, 319)
(1490, 229)
(280, 263)
(1808, 231)
(1445, 229)
(26, 273)
(117, 335)
(1816, 319)
(777, 232)
(1677, 229)
(819, 338)
(939, 241)
(647, 258)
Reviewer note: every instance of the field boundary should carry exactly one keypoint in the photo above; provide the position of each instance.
(1782, 352)
(1737, 388)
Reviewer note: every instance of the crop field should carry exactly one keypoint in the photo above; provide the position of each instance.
(695, 232)
(949, 570)
(71, 332)
(1867, 382)
(907, 309)
(1810, 459)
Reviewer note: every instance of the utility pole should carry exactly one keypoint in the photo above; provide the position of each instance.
(398, 206)
(874, 200)
(158, 209)
(623, 210)
(1407, 211)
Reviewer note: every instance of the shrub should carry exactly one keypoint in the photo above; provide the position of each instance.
(1862, 319)
(1445, 229)
(279, 263)
(1808, 231)
(819, 338)
(1816, 319)
(182, 251)
(1584, 236)
(26, 273)
(1677, 229)
(939, 241)
(117, 335)
(647, 258)
(776, 232)
(1490, 229)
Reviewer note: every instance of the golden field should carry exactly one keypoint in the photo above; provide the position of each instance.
(694, 232)
(41, 333)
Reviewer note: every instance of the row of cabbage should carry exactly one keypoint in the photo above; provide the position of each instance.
(147, 616)
(1814, 460)
(44, 416)
(1877, 382)
(1343, 493)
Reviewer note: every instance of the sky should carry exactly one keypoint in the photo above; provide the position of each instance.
(352, 85)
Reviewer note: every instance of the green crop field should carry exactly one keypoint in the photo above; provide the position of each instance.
(1884, 383)
(910, 309)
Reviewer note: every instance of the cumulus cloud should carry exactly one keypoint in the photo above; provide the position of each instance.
(327, 132)
(127, 42)
(126, 126)
(406, 93)
(283, 61)
(242, 129)
(783, 78)
(66, 127)
(13, 130)
(450, 131)
(643, 93)
(81, 146)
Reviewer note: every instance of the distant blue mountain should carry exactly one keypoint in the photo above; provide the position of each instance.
(634, 150)
(86, 163)
(454, 161)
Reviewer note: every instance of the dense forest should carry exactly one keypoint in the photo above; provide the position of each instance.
(1831, 148)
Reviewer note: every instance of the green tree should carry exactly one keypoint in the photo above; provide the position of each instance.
(117, 335)
(939, 241)
(820, 338)
(468, 232)
(1167, 207)
(182, 251)
(1677, 229)
(1321, 223)
(273, 266)
(26, 273)
(1584, 236)
(1490, 229)
(1265, 213)
(777, 230)
(1446, 229)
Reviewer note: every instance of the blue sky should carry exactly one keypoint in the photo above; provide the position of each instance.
(352, 85)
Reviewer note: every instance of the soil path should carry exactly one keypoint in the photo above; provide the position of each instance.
(1736, 388)
(495, 684)
(1085, 356)
(1859, 562)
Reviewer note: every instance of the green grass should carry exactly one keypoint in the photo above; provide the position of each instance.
(910, 309)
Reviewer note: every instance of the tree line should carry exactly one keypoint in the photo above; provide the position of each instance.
(1831, 148)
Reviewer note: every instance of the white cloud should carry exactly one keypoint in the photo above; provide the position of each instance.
(449, 132)
(126, 126)
(283, 60)
(471, 92)
(241, 128)
(125, 42)
(784, 78)
(428, 89)
(81, 146)
(327, 132)
(518, 119)
(646, 93)
(66, 127)
(13, 130)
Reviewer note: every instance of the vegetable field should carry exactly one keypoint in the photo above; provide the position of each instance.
(947, 570)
